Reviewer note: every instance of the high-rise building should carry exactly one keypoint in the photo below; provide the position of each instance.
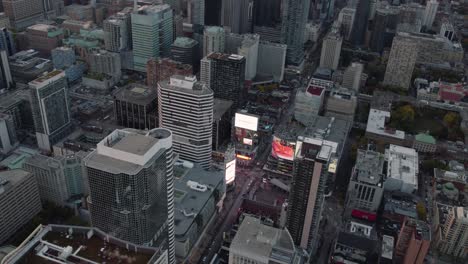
(104, 62)
(294, 20)
(139, 204)
(51, 108)
(225, 75)
(246, 45)
(361, 19)
(430, 13)
(185, 50)
(118, 31)
(271, 60)
(186, 108)
(6, 80)
(410, 17)
(266, 13)
(385, 20)
(23, 13)
(309, 102)
(331, 50)
(352, 76)
(452, 234)
(213, 40)
(8, 138)
(196, 11)
(44, 38)
(346, 20)
(135, 106)
(413, 243)
(152, 34)
(19, 201)
(212, 12)
(401, 62)
(162, 69)
(7, 42)
(236, 15)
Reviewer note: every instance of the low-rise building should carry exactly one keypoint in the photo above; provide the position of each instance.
(424, 143)
(402, 169)
(341, 103)
(26, 65)
(44, 38)
(378, 130)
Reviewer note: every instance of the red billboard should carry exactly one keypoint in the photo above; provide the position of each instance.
(282, 149)
(364, 215)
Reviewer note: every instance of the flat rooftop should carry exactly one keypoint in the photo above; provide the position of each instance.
(369, 167)
(220, 107)
(224, 56)
(315, 90)
(56, 74)
(376, 124)
(136, 144)
(12, 177)
(137, 94)
(403, 164)
(184, 42)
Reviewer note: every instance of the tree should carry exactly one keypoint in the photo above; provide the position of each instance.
(451, 119)
(421, 210)
(403, 117)
(199, 221)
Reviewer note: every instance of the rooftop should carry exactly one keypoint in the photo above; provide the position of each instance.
(214, 29)
(16, 159)
(387, 246)
(376, 124)
(11, 177)
(315, 90)
(48, 77)
(186, 84)
(369, 167)
(425, 138)
(151, 9)
(403, 164)
(225, 57)
(220, 107)
(450, 187)
(184, 42)
(137, 94)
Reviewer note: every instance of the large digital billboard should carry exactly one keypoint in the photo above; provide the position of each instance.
(282, 149)
(230, 171)
(246, 121)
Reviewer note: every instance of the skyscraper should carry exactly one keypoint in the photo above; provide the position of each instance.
(246, 45)
(401, 62)
(23, 13)
(212, 12)
(196, 11)
(331, 50)
(51, 108)
(346, 20)
(384, 27)
(6, 80)
(213, 40)
(185, 50)
(131, 184)
(7, 42)
(430, 13)
(360, 22)
(225, 75)
(152, 34)
(186, 108)
(236, 15)
(118, 31)
(294, 19)
(352, 76)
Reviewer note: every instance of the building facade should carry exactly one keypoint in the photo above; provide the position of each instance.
(158, 70)
(331, 50)
(213, 40)
(185, 50)
(401, 62)
(294, 19)
(8, 138)
(118, 31)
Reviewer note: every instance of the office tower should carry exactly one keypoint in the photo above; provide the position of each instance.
(447, 31)
(44, 38)
(309, 102)
(7, 42)
(331, 50)
(352, 76)
(104, 62)
(267, 13)
(19, 201)
(258, 243)
(135, 106)
(360, 23)
(225, 75)
(118, 31)
(152, 34)
(8, 138)
(212, 12)
(236, 15)
(401, 62)
(410, 18)
(384, 27)
(196, 12)
(185, 50)
(294, 19)
(311, 169)
(452, 235)
(6, 80)
(430, 13)
(213, 40)
(271, 60)
(23, 13)
(185, 107)
(139, 204)
(346, 20)
(51, 108)
(162, 69)
(413, 242)
(246, 45)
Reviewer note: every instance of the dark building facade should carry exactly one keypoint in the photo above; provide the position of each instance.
(360, 22)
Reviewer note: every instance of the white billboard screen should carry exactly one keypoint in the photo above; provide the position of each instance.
(248, 141)
(246, 122)
(230, 171)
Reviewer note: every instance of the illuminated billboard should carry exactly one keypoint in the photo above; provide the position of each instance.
(247, 141)
(246, 121)
(282, 149)
(230, 171)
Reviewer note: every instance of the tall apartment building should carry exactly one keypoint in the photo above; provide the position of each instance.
(294, 20)
(7, 42)
(8, 138)
(152, 34)
(352, 76)
(44, 38)
(225, 75)
(236, 15)
(271, 60)
(104, 62)
(6, 79)
(19, 201)
(185, 50)
(196, 12)
(186, 108)
(51, 108)
(331, 50)
(401, 62)
(246, 45)
(346, 20)
(23, 13)
(118, 31)
(131, 184)
(213, 40)
(135, 106)
(451, 237)
(430, 13)
(413, 243)
(162, 69)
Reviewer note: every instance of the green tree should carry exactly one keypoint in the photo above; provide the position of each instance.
(421, 210)
(451, 119)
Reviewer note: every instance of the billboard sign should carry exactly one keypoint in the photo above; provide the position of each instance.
(230, 171)
(246, 121)
(282, 149)
(247, 141)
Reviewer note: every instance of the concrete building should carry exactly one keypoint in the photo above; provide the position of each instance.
(139, 206)
(195, 203)
(447, 31)
(7, 41)
(355, 247)
(341, 103)
(19, 201)
(4, 20)
(64, 58)
(271, 60)
(118, 31)
(308, 103)
(185, 106)
(152, 34)
(225, 75)
(23, 13)
(402, 169)
(410, 18)
(430, 13)
(294, 18)
(346, 20)
(196, 12)
(213, 40)
(365, 189)
(186, 51)
(413, 243)
(104, 62)
(331, 50)
(385, 24)
(136, 106)
(424, 143)
(158, 70)
(352, 76)
(401, 62)
(451, 236)
(44, 38)
(51, 108)
(258, 243)
(27, 65)
(236, 15)
(377, 128)
(246, 45)
(6, 79)
(360, 22)
(8, 138)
